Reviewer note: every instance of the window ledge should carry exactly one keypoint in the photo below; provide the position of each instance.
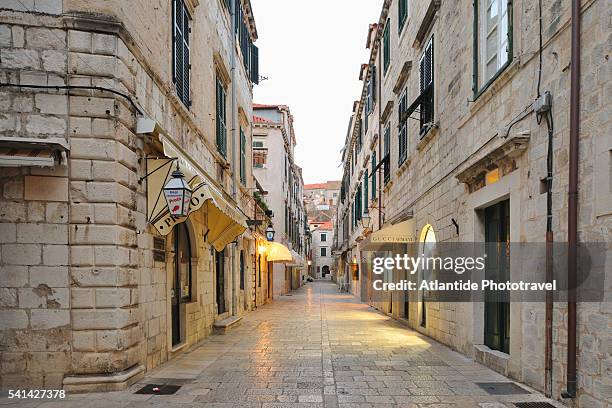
(387, 186)
(495, 84)
(431, 132)
(403, 167)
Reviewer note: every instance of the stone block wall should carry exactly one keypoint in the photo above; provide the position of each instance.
(35, 327)
(80, 291)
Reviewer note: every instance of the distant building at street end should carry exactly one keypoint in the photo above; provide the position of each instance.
(321, 196)
(281, 178)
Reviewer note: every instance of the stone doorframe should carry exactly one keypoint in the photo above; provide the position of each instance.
(193, 238)
(508, 187)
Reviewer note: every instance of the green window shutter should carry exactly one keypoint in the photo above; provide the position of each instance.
(366, 183)
(221, 131)
(386, 47)
(403, 133)
(402, 13)
(373, 175)
(242, 157)
(254, 64)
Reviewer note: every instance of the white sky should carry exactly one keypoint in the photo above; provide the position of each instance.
(311, 51)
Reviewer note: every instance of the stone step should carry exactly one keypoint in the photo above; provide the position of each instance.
(225, 325)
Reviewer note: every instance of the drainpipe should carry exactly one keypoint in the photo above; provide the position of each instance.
(549, 263)
(233, 81)
(572, 218)
(379, 76)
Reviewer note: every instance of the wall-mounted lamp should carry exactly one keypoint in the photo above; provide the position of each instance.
(178, 194)
(365, 221)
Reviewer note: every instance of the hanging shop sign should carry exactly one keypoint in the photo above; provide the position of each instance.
(172, 197)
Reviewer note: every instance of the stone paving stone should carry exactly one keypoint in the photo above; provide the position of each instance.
(317, 348)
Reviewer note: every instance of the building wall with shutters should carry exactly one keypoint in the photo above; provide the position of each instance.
(441, 181)
(94, 294)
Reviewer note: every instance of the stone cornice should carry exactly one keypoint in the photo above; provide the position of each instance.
(512, 147)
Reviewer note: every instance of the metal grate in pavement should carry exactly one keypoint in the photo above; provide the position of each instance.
(534, 405)
(502, 388)
(156, 389)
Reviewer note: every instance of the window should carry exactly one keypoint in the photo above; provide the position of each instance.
(359, 138)
(323, 251)
(323, 237)
(242, 157)
(366, 183)
(182, 263)
(260, 157)
(402, 135)
(180, 51)
(371, 93)
(373, 175)
(402, 13)
(386, 156)
(250, 53)
(220, 115)
(426, 70)
(386, 47)
(492, 40)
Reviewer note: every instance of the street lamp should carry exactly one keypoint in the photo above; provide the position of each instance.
(365, 221)
(178, 194)
(309, 262)
(270, 233)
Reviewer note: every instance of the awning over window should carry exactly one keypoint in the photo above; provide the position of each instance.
(277, 252)
(400, 233)
(21, 151)
(224, 220)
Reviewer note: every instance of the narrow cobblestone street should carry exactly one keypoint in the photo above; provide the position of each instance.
(313, 348)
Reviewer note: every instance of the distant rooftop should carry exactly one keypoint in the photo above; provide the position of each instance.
(329, 185)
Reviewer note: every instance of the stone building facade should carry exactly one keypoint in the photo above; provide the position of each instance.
(94, 94)
(274, 166)
(446, 138)
(321, 248)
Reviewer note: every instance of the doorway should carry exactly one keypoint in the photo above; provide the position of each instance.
(497, 268)
(181, 279)
(428, 249)
(220, 279)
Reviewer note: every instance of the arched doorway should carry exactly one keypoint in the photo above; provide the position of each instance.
(181, 280)
(325, 271)
(426, 249)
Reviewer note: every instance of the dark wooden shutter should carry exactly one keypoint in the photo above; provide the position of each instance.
(254, 64)
(426, 66)
(178, 46)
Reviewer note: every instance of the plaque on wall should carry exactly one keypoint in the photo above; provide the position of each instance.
(159, 249)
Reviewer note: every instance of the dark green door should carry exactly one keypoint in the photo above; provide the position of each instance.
(497, 309)
(220, 276)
